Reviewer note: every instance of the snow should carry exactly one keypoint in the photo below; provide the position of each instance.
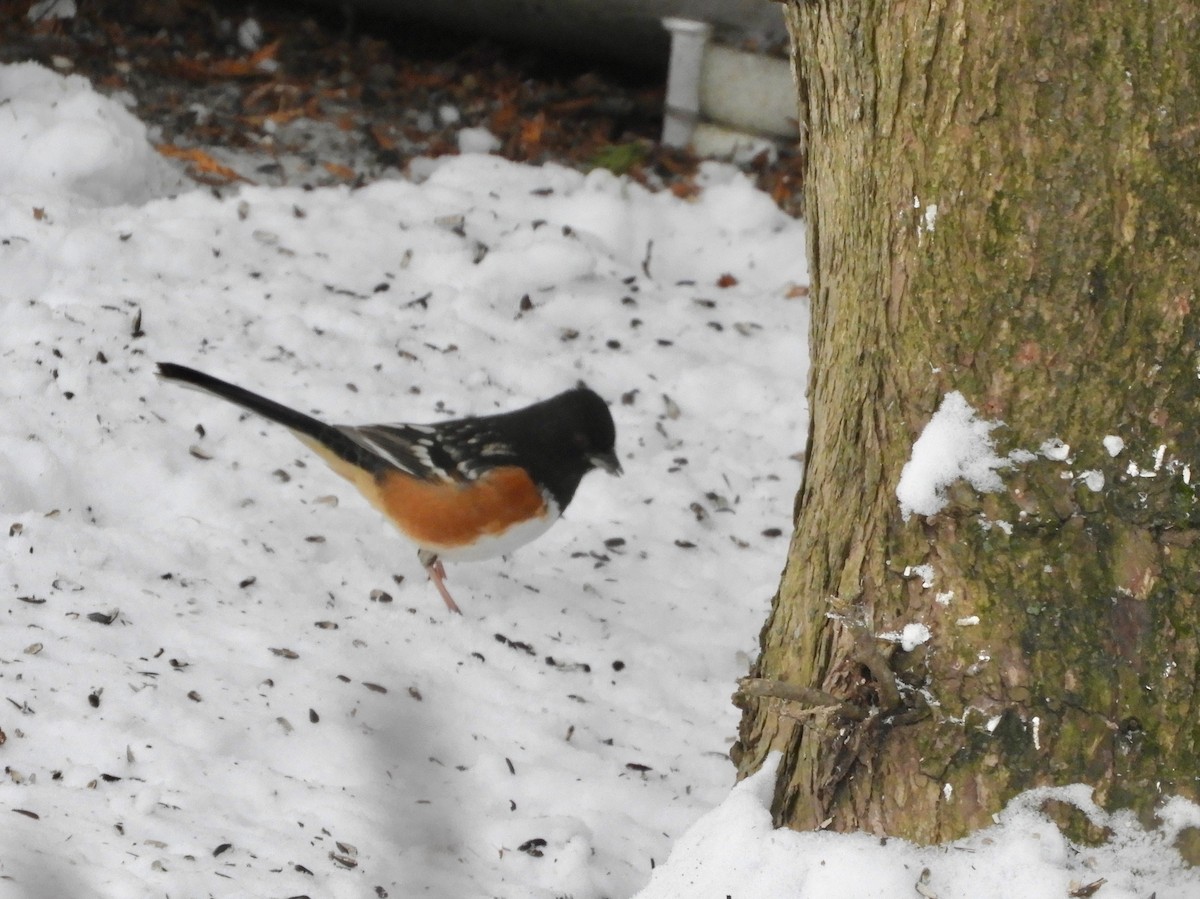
(477, 140)
(250, 34)
(581, 706)
(226, 676)
(909, 637)
(59, 136)
(926, 573)
(913, 635)
(955, 445)
(733, 851)
(1055, 449)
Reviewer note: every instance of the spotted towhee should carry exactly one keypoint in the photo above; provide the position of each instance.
(466, 489)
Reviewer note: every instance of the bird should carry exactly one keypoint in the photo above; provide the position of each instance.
(461, 490)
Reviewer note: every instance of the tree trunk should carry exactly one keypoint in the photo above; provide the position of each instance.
(1003, 200)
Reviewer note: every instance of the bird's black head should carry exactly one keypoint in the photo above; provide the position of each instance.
(593, 433)
(567, 436)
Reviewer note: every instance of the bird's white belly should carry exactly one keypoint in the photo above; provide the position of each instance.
(491, 545)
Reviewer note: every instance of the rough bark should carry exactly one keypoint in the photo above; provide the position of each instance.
(1004, 200)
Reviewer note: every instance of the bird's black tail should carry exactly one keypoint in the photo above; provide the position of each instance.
(304, 426)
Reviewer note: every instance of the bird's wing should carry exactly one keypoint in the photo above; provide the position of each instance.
(447, 451)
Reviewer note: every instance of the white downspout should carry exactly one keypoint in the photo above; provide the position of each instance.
(689, 40)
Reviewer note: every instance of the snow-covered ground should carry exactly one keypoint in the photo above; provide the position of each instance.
(225, 675)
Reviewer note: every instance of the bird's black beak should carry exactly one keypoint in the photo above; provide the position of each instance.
(607, 461)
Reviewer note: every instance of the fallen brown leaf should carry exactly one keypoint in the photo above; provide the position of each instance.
(340, 171)
(201, 164)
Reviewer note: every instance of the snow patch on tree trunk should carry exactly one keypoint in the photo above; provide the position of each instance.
(955, 445)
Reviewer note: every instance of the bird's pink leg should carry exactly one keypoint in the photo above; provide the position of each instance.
(437, 574)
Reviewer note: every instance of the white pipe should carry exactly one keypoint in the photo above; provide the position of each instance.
(689, 40)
